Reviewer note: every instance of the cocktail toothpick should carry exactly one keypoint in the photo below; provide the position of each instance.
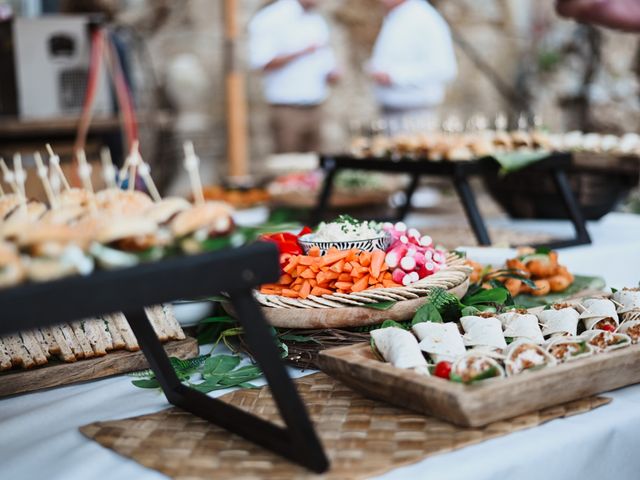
(523, 123)
(134, 161)
(192, 165)
(8, 176)
(84, 170)
(43, 173)
(54, 164)
(1, 191)
(145, 172)
(501, 122)
(21, 178)
(108, 170)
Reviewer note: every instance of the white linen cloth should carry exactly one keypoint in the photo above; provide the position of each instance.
(414, 47)
(284, 28)
(39, 435)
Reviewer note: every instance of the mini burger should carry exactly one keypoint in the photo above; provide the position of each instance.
(11, 267)
(75, 197)
(125, 241)
(21, 218)
(203, 227)
(56, 250)
(165, 210)
(123, 202)
(8, 204)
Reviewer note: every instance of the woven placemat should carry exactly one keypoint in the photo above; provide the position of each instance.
(362, 437)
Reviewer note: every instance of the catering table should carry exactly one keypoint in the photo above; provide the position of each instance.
(39, 432)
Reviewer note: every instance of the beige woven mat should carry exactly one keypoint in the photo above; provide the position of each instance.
(362, 437)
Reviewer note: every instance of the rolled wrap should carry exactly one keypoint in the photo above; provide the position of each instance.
(563, 321)
(400, 348)
(575, 348)
(442, 341)
(597, 309)
(480, 331)
(474, 366)
(519, 325)
(630, 328)
(628, 299)
(524, 355)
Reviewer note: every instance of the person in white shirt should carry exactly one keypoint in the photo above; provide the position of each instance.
(412, 62)
(289, 43)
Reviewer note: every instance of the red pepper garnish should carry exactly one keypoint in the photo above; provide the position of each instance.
(287, 243)
(607, 328)
(443, 370)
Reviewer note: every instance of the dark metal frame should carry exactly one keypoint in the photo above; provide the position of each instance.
(556, 164)
(234, 271)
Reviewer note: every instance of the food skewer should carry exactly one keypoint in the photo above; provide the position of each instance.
(84, 170)
(133, 164)
(21, 178)
(145, 172)
(8, 176)
(108, 170)
(43, 173)
(54, 162)
(192, 164)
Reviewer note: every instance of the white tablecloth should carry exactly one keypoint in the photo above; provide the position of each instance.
(39, 435)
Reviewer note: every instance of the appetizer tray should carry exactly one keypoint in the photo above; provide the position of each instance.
(485, 402)
(355, 310)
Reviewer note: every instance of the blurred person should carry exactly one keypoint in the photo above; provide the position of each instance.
(412, 62)
(289, 43)
(618, 14)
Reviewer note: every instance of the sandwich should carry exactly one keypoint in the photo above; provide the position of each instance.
(125, 241)
(203, 227)
(56, 250)
(11, 266)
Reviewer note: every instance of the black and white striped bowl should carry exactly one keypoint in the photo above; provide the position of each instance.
(381, 242)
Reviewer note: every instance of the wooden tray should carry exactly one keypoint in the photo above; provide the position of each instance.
(488, 401)
(113, 363)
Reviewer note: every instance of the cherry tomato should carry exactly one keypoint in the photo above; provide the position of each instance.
(443, 370)
(608, 328)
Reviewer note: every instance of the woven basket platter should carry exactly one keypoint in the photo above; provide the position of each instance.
(350, 310)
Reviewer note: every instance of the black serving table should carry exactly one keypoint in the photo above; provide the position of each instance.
(556, 165)
(235, 272)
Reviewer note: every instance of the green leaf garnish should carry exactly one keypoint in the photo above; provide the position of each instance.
(380, 305)
(427, 313)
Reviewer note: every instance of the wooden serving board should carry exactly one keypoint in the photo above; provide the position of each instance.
(488, 401)
(113, 363)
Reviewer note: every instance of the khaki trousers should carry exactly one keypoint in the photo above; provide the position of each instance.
(296, 128)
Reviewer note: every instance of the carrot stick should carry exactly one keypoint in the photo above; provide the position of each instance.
(305, 290)
(365, 259)
(360, 285)
(344, 277)
(377, 259)
(314, 252)
(330, 259)
(337, 267)
(308, 274)
(318, 291)
(344, 285)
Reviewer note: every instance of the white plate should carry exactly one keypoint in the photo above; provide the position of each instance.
(496, 257)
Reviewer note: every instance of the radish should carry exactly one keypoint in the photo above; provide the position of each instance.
(392, 259)
(400, 227)
(410, 278)
(408, 264)
(414, 234)
(420, 259)
(426, 241)
(398, 275)
(404, 239)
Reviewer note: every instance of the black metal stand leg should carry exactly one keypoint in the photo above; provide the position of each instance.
(573, 209)
(330, 170)
(298, 442)
(403, 210)
(471, 209)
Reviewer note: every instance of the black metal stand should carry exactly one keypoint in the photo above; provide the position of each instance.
(129, 290)
(459, 172)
